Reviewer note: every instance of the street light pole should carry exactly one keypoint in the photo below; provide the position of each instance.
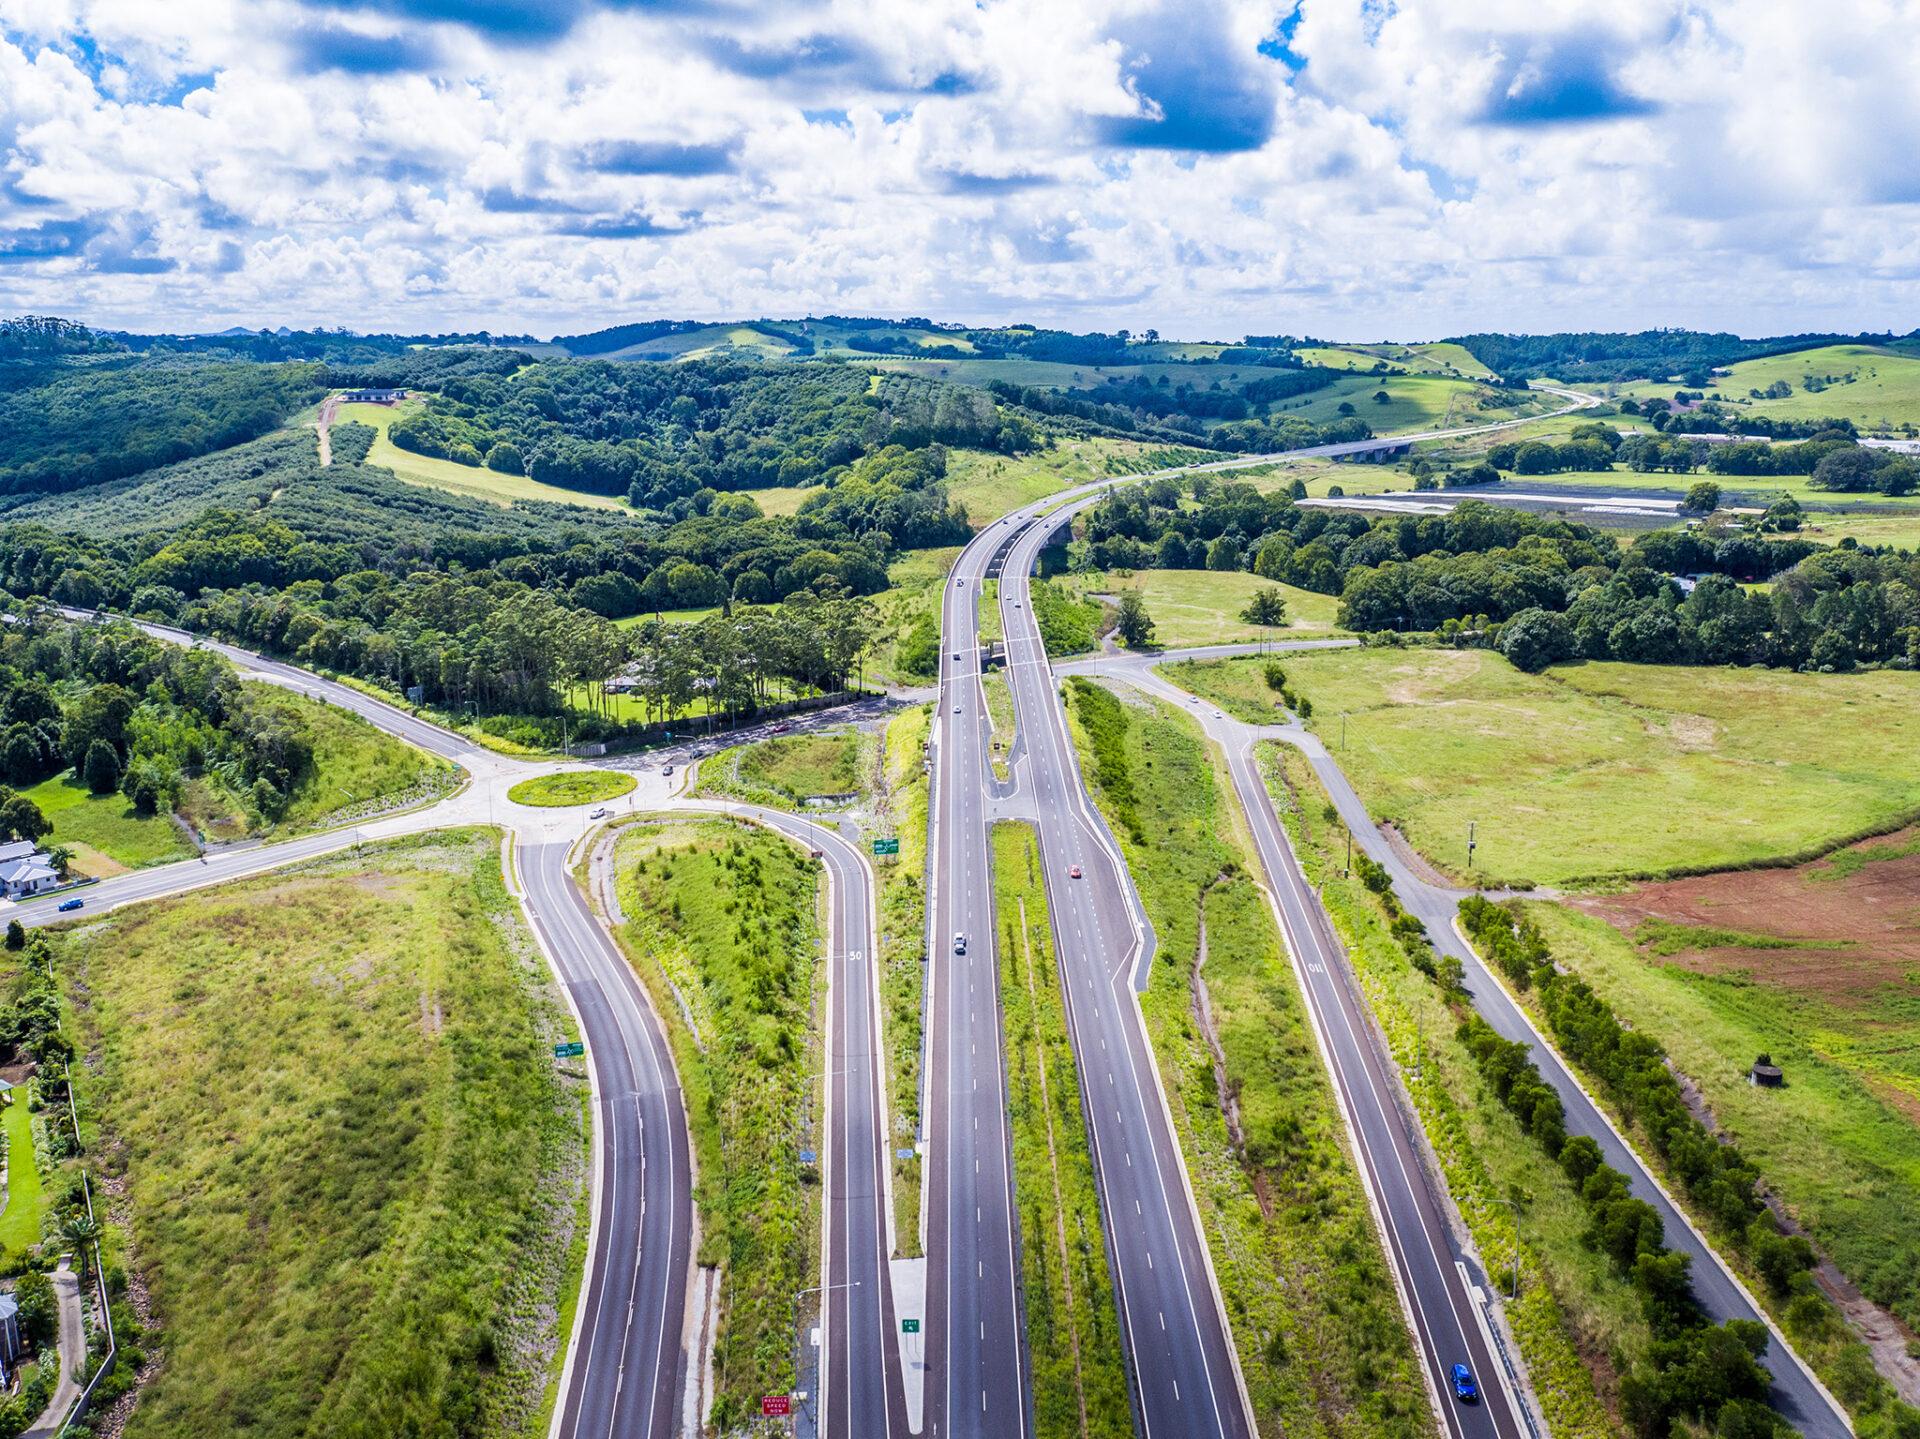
(1471, 842)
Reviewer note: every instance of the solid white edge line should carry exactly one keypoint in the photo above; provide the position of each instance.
(1738, 1283)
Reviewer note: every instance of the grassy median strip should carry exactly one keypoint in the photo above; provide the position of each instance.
(721, 926)
(1577, 1328)
(1319, 1331)
(902, 813)
(1073, 1338)
(1000, 710)
(348, 1163)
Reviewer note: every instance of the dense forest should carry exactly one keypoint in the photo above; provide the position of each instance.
(68, 426)
(1593, 358)
(1539, 588)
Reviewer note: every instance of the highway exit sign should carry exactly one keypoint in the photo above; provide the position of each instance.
(909, 1326)
(886, 846)
(775, 1406)
(569, 1051)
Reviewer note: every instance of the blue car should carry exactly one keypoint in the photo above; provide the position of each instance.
(1463, 1386)
(68, 904)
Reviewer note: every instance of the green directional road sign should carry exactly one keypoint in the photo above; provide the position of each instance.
(569, 1051)
(886, 846)
(909, 1326)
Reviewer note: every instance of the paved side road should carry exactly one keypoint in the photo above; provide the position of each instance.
(1796, 1394)
(73, 1351)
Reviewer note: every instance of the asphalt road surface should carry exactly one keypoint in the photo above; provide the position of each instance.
(1447, 1328)
(861, 1394)
(975, 1341)
(625, 1372)
(1183, 1366)
(624, 1363)
(1795, 1394)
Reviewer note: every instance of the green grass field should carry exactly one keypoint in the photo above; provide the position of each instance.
(26, 1198)
(1414, 359)
(571, 787)
(1073, 1329)
(106, 823)
(782, 499)
(1604, 769)
(804, 764)
(1838, 1144)
(351, 1169)
(672, 617)
(1873, 386)
(473, 480)
(1319, 1332)
(1202, 607)
(724, 914)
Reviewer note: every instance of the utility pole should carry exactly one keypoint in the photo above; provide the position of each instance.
(1471, 842)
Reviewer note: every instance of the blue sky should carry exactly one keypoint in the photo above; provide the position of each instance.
(1360, 169)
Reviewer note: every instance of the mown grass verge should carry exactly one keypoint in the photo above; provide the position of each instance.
(571, 787)
(1073, 1327)
(721, 924)
(902, 812)
(350, 1170)
(1319, 1332)
(1000, 709)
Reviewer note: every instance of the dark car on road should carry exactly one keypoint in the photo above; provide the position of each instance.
(1464, 1389)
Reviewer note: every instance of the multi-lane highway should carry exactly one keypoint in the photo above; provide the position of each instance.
(1184, 1369)
(1448, 1326)
(625, 1372)
(1418, 1244)
(975, 1343)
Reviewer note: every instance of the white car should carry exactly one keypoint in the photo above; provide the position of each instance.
(959, 944)
(956, 709)
(600, 813)
(666, 769)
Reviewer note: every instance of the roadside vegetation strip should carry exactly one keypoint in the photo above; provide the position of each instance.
(785, 771)
(1837, 1143)
(351, 1168)
(987, 612)
(1319, 1333)
(1001, 710)
(721, 926)
(1721, 1189)
(801, 765)
(1073, 1326)
(1575, 1331)
(1755, 767)
(571, 787)
(903, 958)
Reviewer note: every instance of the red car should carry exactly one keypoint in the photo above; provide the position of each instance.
(781, 728)
(1073, 872)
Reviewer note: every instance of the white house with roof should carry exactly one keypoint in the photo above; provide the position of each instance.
(24, 870)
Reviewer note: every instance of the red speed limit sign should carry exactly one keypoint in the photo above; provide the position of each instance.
(775, 1406)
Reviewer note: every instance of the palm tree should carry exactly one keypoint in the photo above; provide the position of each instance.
(82, 1231)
